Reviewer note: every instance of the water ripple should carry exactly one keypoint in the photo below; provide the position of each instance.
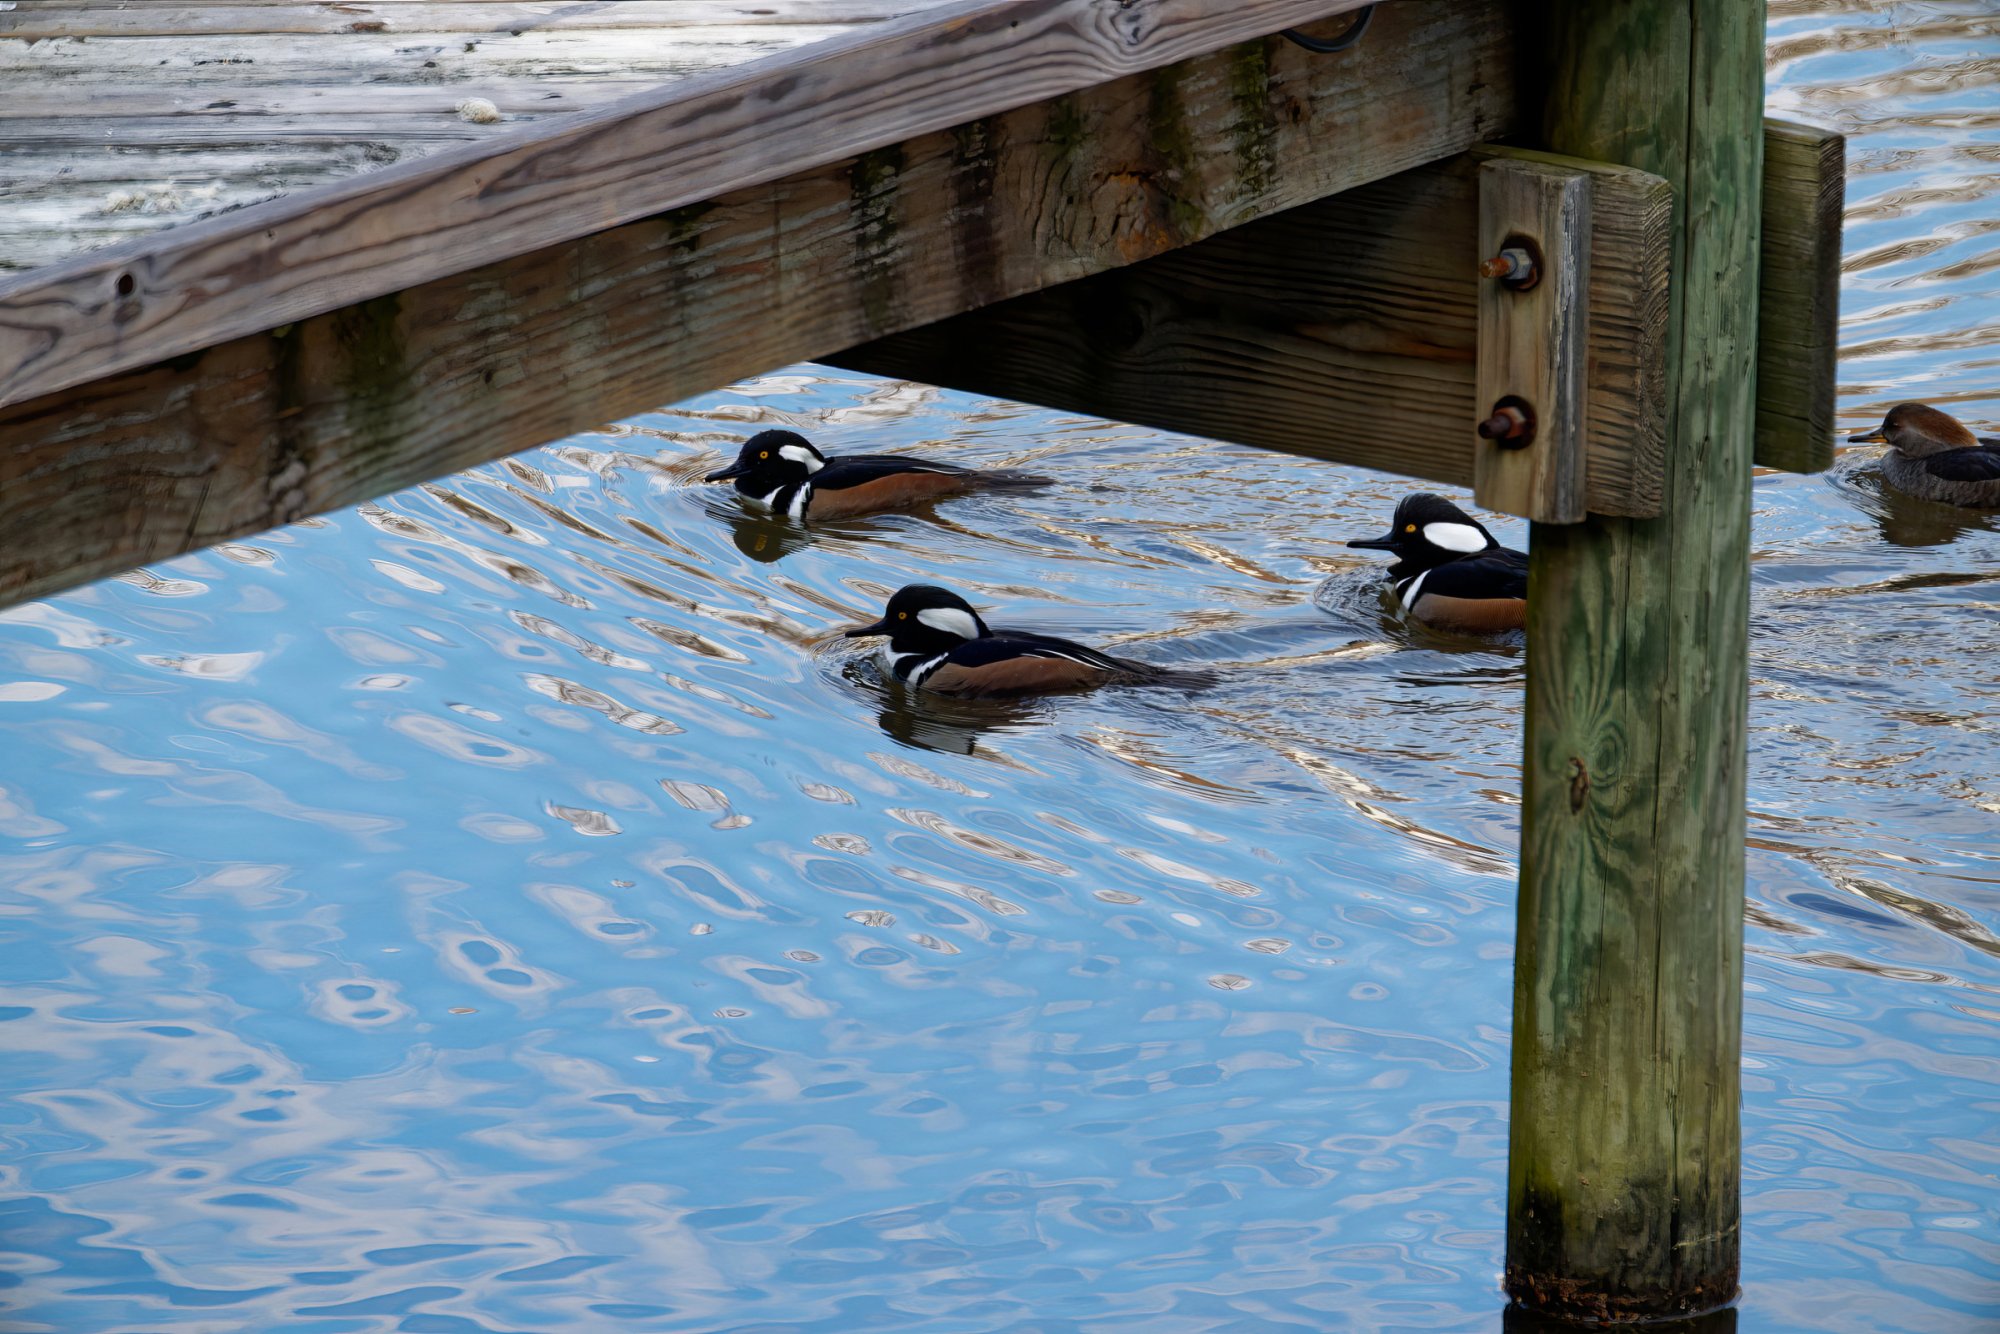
(508, 905)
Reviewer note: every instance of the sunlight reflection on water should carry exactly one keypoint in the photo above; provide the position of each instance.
(511, 905)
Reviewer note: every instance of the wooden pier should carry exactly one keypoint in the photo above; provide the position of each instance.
(261, 260)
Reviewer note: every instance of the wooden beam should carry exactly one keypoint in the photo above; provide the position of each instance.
(194, 286)
(1798, 295)
(58, 20)
(348, 405)
(1532, 340)
(1625, 1144)
(1345, 329)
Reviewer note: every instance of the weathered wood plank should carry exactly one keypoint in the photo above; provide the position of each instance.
(1532, 340)
(37, 109)
(191, 287)
(46, 20)
(153, 95)
(348, 405)
(1624, 1163)
(219, 64)
(153, 151)
(1345, 329)
(1798, 295)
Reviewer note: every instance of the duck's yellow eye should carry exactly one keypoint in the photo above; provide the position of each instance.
(765, 455)
(902, 616)
(1409, 528)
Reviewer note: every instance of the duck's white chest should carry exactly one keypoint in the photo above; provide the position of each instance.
(910, 668)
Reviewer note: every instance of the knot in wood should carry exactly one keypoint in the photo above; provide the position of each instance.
(1579, 784)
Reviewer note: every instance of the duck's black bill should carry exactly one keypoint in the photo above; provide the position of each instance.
(1872, 438)
(1375, 543)
(724, 474)
(863, 631)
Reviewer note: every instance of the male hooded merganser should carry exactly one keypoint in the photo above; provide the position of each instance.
(1449, 571)
(937, 641)
(1933, 457)
(782, 472)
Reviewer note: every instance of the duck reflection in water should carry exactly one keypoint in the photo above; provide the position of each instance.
(952, 724)
(1906, 521)
(765, 539)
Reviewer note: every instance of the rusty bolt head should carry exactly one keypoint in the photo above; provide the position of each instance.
(1509, 426)
(1514, 266)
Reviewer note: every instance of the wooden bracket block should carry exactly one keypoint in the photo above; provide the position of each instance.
(1798, 295)
(1530, 382)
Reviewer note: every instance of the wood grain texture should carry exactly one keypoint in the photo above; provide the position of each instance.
(66, 20)
(1533, 341)
(194, 286)
(126, 119)
(1798, 295)
(340, 407)
(1345, 329)
(1624, 1163)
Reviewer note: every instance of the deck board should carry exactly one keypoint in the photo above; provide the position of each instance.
(349, 404)
(194, 284)
(123, 119)
(49, 19)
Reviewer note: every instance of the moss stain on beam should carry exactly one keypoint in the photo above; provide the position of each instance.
(1254, 126)
(288, 460)
(683, 226)
(874, 185)
(374, 378)
(1067, 132)
(975, 167)
(1175, 169)
(1064, 190)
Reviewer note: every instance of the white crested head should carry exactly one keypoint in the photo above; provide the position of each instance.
(1455, 536)
(805, 455)
(951, 621)
(925, 619)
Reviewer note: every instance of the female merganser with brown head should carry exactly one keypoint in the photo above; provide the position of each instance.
(1932, 456)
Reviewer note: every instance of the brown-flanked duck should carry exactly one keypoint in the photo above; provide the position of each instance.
(782, 471)
(938, 642)
(1449, 571)
(1932, 456)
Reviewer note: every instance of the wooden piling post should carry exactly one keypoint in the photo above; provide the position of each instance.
(1625, 1155)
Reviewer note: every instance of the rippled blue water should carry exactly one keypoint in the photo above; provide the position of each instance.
(510, 907)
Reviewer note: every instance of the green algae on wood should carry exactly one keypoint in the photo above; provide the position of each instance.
(1255, 122)
(975, 172)
(1624, 1165)
(875, 179)
(374, 377)
(1176, 172)
(1798, 298)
